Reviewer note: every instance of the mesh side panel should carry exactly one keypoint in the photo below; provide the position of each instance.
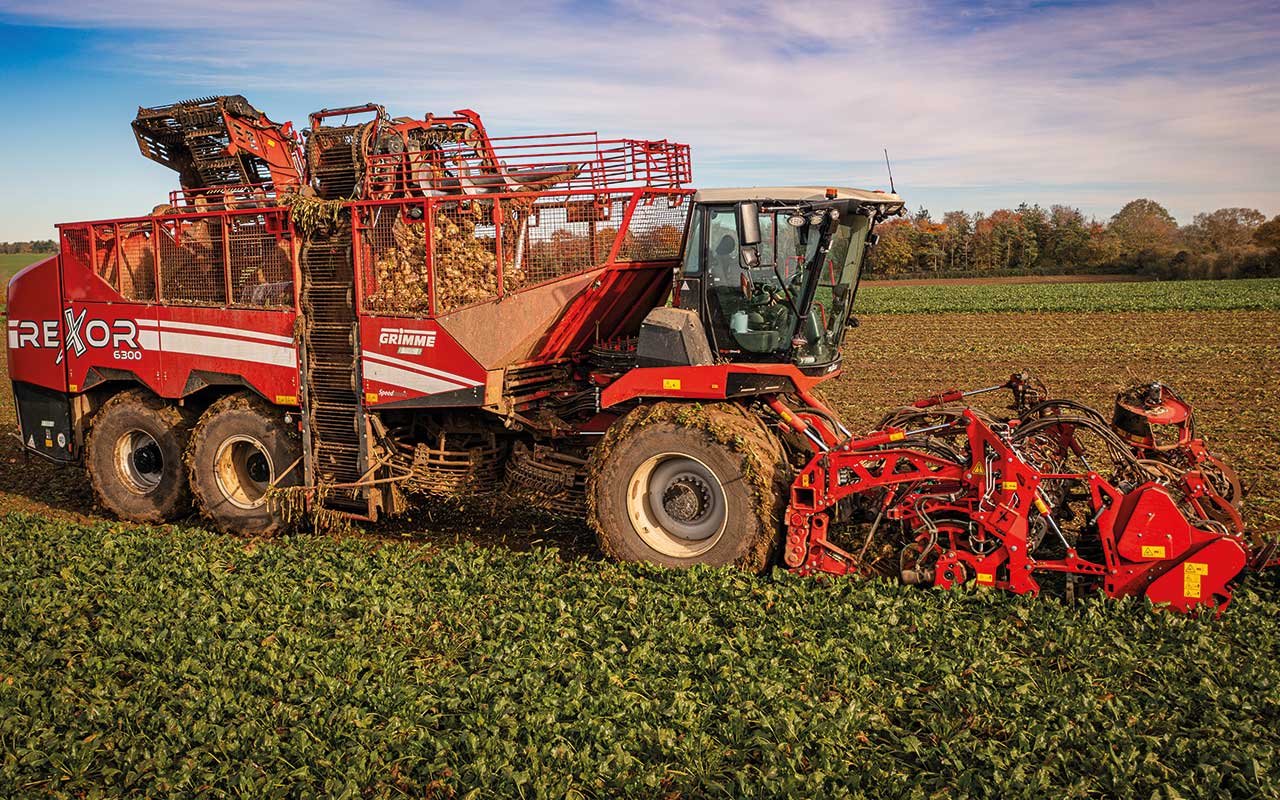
(191, 261)
(393, 262)
(563, 236)
(260, 260)
(137, 256)
(464, 251)
(655, 232)
(105, 256)
(75, 246)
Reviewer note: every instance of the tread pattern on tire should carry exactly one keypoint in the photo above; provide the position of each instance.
(272, 521)
(729, 426)
(179, 420)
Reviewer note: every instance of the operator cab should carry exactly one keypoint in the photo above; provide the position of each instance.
(772, 272)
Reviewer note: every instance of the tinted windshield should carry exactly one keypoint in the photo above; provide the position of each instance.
(837, 282)
(754, 311)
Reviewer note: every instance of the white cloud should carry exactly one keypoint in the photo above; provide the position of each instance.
(1089, 105)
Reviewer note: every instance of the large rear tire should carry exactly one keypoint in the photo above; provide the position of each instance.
(679, 484)
(239, 449)
(134, 455)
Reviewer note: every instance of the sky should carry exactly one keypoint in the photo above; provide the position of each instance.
(981, 105)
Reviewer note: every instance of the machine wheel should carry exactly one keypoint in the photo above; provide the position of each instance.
(239, 448)
(680, 485)
(134, 455)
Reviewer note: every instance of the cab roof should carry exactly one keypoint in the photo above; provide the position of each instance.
(793, 193)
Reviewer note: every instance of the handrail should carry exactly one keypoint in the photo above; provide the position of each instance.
(560, 162)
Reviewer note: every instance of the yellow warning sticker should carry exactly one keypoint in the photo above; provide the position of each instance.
(893, 437)
(370, 397)
(979, 470)
(75, 387)
(670, 383)
(270, 143)
(1153, 551)
(1009, 486)
(1191, 574)
(987, 578)
(286, 399)
(806, 479)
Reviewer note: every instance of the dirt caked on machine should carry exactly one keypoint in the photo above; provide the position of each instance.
(383, 311)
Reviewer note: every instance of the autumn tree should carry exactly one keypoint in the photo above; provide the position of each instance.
(957, 240)
(1267, 235)
(1142, 238)
(1144, 226)
(892, 254)
(1224, 229)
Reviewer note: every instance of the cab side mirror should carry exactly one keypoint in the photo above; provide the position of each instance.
(749, 223)
(749, 234)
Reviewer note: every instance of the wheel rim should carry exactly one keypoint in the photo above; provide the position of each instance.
(243, 470)
(677, 505)
(140, 462)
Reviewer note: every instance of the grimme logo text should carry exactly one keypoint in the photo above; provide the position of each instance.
(407, 342)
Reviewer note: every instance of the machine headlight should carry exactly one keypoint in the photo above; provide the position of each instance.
(796, 220)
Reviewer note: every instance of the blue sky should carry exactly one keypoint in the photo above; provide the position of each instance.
(981, 105)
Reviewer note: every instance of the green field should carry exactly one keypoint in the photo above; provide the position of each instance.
(439, 659)
(174, 662)
(885, 297)
(10, 263)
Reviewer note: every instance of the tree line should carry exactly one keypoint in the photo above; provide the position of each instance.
(40, 246)
(1141, 239)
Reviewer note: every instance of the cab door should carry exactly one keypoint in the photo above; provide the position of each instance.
(688, 280)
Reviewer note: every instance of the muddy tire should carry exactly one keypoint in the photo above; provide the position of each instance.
(239, 447)
(134, 457)
(679, 485)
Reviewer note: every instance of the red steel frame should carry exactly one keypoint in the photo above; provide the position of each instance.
(1149, 547)
(634, 171)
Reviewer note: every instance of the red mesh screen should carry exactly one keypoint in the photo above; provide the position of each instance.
(656, 230)
(137, 261)
(105, 259)
(558, 236)
(260, 252)
(75, 246)
(464, 253)
(537, 239)
(393, 261)
(192, 268)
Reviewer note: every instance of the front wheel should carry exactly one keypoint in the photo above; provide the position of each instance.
(680, 485)
(239, 450)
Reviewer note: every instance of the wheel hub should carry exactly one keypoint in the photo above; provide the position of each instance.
(677, 505)
(687, 499)
(147, 459)
(258, 468)
(243, 471)
(139, 461)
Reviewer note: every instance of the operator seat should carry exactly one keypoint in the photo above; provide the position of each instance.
(724, 260)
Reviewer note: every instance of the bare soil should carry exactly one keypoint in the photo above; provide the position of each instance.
(1226, 363)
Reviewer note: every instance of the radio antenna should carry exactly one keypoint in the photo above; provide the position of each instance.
(888, 167)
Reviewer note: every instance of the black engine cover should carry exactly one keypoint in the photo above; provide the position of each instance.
(673, 337)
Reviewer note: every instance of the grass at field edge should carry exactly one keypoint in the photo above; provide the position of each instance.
(1261, 294)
